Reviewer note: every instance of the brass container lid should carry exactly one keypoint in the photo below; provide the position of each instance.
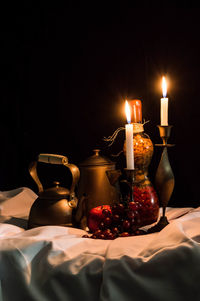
(96, 160)
(54, 193)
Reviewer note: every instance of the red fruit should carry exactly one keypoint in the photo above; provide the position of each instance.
(138, 220)
(113, 208)
(131, 214)
(134, 228)
(119, 226)
(139, 206)
(118, 209)
(126, 225)
(124, 234)
(106, 212)
(133, 206)
(136, 213)
(111, 236)
(93, 236)
(116, 218)
(107, 221)
(95, 217)
(148, 202)
(102, 236)
(85, 236)
(132, 221)
(93, 223)
(107, 232)
(140, 232)
(102, 226)
(115, 230)
(97, 233)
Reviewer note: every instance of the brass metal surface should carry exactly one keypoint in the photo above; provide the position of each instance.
(165, 131)
(130, 181)
(50, 212)
(97, 185)
(55, 205)
(164, 179)
(163, 222)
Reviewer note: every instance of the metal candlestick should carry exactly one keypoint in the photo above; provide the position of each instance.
(130, 181)
(164, 179)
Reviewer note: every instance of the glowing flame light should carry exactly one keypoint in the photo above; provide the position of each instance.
(128, 112)
(164, 87)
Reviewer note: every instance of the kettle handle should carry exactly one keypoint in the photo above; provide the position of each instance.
(54, 159)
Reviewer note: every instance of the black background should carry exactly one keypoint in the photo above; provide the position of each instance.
(65, 72)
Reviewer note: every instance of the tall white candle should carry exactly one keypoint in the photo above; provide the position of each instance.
(129, 139)
(164, 104)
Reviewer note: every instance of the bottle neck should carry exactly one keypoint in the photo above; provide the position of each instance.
(138, 128)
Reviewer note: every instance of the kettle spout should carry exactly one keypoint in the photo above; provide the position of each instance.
(113, 176)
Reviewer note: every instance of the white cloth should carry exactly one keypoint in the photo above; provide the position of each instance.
(56, 263)
(16, 202)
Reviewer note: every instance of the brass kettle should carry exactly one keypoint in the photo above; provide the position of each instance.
(54, 206)
(98, 185)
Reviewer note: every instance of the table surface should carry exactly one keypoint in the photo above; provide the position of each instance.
(56, 263)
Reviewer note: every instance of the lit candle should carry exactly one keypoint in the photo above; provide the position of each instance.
(164, 104)
(129, 138)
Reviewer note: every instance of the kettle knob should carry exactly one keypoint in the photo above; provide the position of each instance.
(56, 183)
(54, 159)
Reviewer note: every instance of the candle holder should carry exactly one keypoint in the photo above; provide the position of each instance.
(130, 182)
(164, 179)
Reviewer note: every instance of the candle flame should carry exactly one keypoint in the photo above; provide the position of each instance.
(164, 86)
(128, 112)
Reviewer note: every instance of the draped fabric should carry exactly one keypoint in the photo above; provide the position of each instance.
(56, 263)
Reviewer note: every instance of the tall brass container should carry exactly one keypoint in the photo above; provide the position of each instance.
(98, 178)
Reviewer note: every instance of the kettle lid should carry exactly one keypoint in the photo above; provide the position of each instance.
(96, 160)
(54, 193)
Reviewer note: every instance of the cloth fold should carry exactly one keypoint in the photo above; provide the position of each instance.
(56, 263)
